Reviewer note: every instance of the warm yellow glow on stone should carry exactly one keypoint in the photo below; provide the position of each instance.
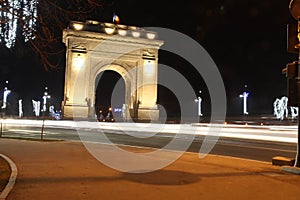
(122, 32)
(78, 26)
(92, 22)
(151, 36)
(136, 34)
(109, 30)
(149, 68)
(133, 28)
(122, 26)
(109, 25)
(78, 62)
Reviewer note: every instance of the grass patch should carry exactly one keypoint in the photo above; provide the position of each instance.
(5, 172)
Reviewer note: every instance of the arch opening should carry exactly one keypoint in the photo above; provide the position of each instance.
(109, 96)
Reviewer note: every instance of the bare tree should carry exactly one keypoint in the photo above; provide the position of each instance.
(39, 23)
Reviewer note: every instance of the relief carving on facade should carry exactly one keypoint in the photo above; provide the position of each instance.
(148, 53)
(79, 46)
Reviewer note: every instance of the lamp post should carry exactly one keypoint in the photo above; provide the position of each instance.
(199, 101)
(45, 97)
(245, 96)
(295, 12)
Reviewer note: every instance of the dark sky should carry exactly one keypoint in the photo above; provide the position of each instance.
(245, 38)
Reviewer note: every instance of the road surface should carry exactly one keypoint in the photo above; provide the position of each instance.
(242, 141)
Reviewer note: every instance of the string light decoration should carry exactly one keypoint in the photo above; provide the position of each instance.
(40, 23)
(17, 14)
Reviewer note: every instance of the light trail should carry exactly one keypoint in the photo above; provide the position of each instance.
(264, 132)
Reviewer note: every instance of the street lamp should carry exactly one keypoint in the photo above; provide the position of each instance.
(295, 12)
(245, 96)
(199, 101)
(45, 97)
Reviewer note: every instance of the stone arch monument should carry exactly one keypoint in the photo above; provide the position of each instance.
(93, 47)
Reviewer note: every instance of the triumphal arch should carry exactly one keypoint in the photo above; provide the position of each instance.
(93, 47)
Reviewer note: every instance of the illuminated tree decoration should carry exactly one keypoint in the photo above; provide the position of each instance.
(281, 109)
(17, 15)
(36, 107)
(20, 108)
(29, 18)
(40, 23)
(5, 95)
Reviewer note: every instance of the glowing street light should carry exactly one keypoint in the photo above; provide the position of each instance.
(199, 101)
(245, 96)
(5, 95)
(45, 97)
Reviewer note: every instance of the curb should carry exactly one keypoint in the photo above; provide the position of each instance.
(290, 169)
(12, 179)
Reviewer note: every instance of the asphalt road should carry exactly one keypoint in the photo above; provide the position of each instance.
(261, 150)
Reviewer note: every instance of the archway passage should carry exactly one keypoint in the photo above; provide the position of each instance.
(110, 93)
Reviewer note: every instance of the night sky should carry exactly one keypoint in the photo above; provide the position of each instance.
(245, 38)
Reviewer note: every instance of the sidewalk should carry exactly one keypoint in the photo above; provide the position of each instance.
(65, 170)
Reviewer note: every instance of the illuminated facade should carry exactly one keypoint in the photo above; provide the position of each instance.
(93, 47)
